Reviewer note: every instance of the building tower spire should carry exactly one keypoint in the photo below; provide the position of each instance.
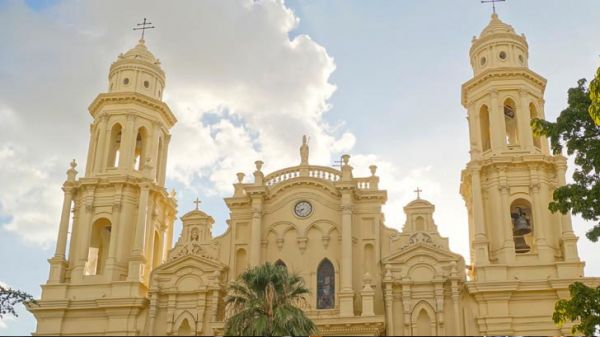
(511, 176)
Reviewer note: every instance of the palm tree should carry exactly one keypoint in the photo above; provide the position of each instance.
(267, 301)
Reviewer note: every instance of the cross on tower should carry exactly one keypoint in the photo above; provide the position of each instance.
(493, 3)
(144, 25)
(197, 202)
(418, 191)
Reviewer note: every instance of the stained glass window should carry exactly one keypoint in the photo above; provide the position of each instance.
(325, 285)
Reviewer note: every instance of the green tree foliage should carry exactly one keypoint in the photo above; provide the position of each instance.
(583, 307)
(595, 97)
(267, 301)
(9, 298)
(576, 130)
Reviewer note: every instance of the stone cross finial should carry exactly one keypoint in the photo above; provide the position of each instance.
(418, 191)
(493, 2)
(197, 202)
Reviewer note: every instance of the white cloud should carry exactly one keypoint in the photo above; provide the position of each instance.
(242, 88)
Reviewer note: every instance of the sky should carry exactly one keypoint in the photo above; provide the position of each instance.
(379, 80)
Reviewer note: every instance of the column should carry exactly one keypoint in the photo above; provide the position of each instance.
(115, 233)
(346, 293)
(497, 127)
(83, 237)
(137, 259)
(539, 220)
(480, 242)
(523, 121)
(543, 139)
(57, 263)
(103, 139)
(456, 307)
(255, 235)
(389, 309)
(505, 217)
(473, 119)
(128, 139)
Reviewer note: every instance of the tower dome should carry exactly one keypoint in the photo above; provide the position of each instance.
(498, 46)
(138, 70)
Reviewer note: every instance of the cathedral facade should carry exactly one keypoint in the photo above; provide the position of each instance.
(121, 275)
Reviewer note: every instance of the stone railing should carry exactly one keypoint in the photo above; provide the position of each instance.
(319, 172)
(363, 183)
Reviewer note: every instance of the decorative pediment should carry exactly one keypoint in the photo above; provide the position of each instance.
(199, 262)
(421, 248)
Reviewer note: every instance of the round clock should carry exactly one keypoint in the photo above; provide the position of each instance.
(303, 209)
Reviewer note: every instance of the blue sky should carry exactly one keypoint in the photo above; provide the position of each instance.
(385, 79)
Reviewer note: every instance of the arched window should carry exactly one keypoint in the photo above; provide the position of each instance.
(420, 224)
(241, 261)
(159, 159)
(510, 121)
(325, 285)
(184, 328)
(114, 150)
(140, 149)
(98, 249)
(281, 264)
(522, 222)
(533, 114)
(484, 125)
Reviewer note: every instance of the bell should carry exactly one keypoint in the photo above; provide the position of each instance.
(520, 245)
(521, 223)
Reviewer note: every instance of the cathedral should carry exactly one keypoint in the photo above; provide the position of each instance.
(116, 271)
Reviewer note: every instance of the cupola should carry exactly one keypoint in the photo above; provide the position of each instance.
(137, 71)
(498, 46)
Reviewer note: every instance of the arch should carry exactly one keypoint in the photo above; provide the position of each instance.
(484, 126)
(325, 285)
(420, 224)
(98, 246)
(241, 261)
(533, 114)
(423, 319)
(510, 122)
(521, 214)
(186, 324)
(422, 272)
(331, 228)
(114, 147)
(139, 154)
(369, 259)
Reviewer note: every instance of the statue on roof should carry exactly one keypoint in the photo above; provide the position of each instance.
(304, 151)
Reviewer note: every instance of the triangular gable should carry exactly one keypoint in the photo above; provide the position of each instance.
(190, 261)
(432, 251)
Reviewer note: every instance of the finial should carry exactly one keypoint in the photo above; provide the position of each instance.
(197, 202)
(346, 159)
(240, 177)
(373, 169)
(144, 25)
(418, 191)
(493, 2)
(259, 165)
(304, 151)
(71, 172)
(173, 194)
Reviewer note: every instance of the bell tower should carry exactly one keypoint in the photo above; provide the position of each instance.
(510, 178)
(122, 223)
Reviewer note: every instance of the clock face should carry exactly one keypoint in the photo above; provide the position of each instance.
(303, 209)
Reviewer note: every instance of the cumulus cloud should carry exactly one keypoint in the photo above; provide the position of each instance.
(241, 86)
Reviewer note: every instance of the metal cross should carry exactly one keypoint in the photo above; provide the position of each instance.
(493, 3)
(197, 202)
(418, 191)
(144, 25)
(338, 163)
